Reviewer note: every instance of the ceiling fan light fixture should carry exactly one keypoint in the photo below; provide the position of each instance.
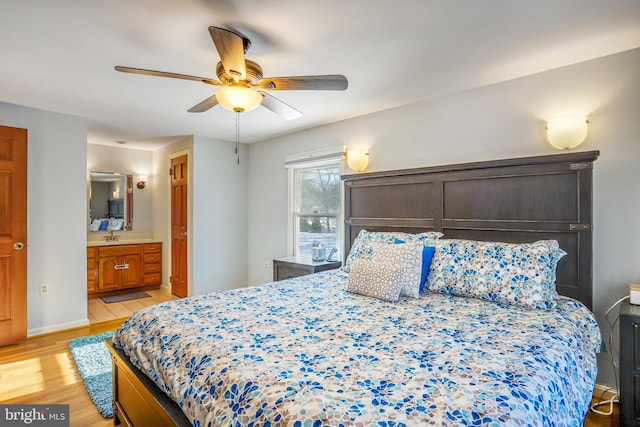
(238, 98)
(240, 80)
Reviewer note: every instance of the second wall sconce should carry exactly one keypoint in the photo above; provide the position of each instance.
(358, 160)
(567, 131)
(142, 181)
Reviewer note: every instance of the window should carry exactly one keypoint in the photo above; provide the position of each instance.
(316, 195)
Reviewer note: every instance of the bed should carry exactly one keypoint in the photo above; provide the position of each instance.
(306, 352)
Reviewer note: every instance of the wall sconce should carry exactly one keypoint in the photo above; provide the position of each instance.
(143, 181)
(567, 131)
(358, 160)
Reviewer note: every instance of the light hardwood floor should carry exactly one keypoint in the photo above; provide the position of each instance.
(41, 370)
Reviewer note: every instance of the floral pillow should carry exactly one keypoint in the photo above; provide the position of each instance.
(408, 258)
(363, 244)
(375, 279)
(506, 273)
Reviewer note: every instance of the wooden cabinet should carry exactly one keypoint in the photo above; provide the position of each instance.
(119, 267)
(152, 263)
(115, 269)
(629, 364)
(286, 268)
(92, 269)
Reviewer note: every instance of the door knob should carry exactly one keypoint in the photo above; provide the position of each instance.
(18, 245)
(184, 233)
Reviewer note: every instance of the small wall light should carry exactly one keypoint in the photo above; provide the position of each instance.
(567, 131)
(142, 181)
(358, 160)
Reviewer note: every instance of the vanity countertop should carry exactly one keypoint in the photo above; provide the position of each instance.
(123, 239)
(121, 242)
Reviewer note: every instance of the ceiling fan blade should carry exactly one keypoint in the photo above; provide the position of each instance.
(165, 74)
(328, 82)
(231, 47)
(279, 107)
(211, 101)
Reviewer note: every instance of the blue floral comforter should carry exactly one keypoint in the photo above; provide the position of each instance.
(304, 352)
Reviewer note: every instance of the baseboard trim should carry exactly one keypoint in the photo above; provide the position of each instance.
(57, 328)
(604, 391)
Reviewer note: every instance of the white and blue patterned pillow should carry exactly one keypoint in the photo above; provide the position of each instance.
(362, 246)
(408, 258)
(375, 279)
(115, 224)
(507, 273)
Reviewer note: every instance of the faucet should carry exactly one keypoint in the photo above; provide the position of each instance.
(111, 237)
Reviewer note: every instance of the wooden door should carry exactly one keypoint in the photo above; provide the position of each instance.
(13, 235)
(179, 182)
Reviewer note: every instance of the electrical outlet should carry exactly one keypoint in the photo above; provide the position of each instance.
(44, 288)
(266, 265)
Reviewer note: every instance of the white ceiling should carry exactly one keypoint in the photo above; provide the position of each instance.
(59, 55)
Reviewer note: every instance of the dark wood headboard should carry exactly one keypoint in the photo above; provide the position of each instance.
(512, 200)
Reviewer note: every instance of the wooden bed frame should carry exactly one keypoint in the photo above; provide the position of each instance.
(514, 200)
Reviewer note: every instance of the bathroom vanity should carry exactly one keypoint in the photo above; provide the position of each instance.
(123, 267)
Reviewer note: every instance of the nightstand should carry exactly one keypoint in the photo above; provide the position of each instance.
(629, 364)
(286, 268)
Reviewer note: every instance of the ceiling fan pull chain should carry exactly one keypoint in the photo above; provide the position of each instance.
(238, 136)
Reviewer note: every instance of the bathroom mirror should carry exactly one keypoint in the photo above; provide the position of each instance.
(110, 202)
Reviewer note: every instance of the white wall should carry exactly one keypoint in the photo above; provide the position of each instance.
(56, 218)
(217, 212)
(219, 237)
(500, 121)
(104, 158)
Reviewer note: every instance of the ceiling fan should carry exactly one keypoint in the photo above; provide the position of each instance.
(242, 85)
